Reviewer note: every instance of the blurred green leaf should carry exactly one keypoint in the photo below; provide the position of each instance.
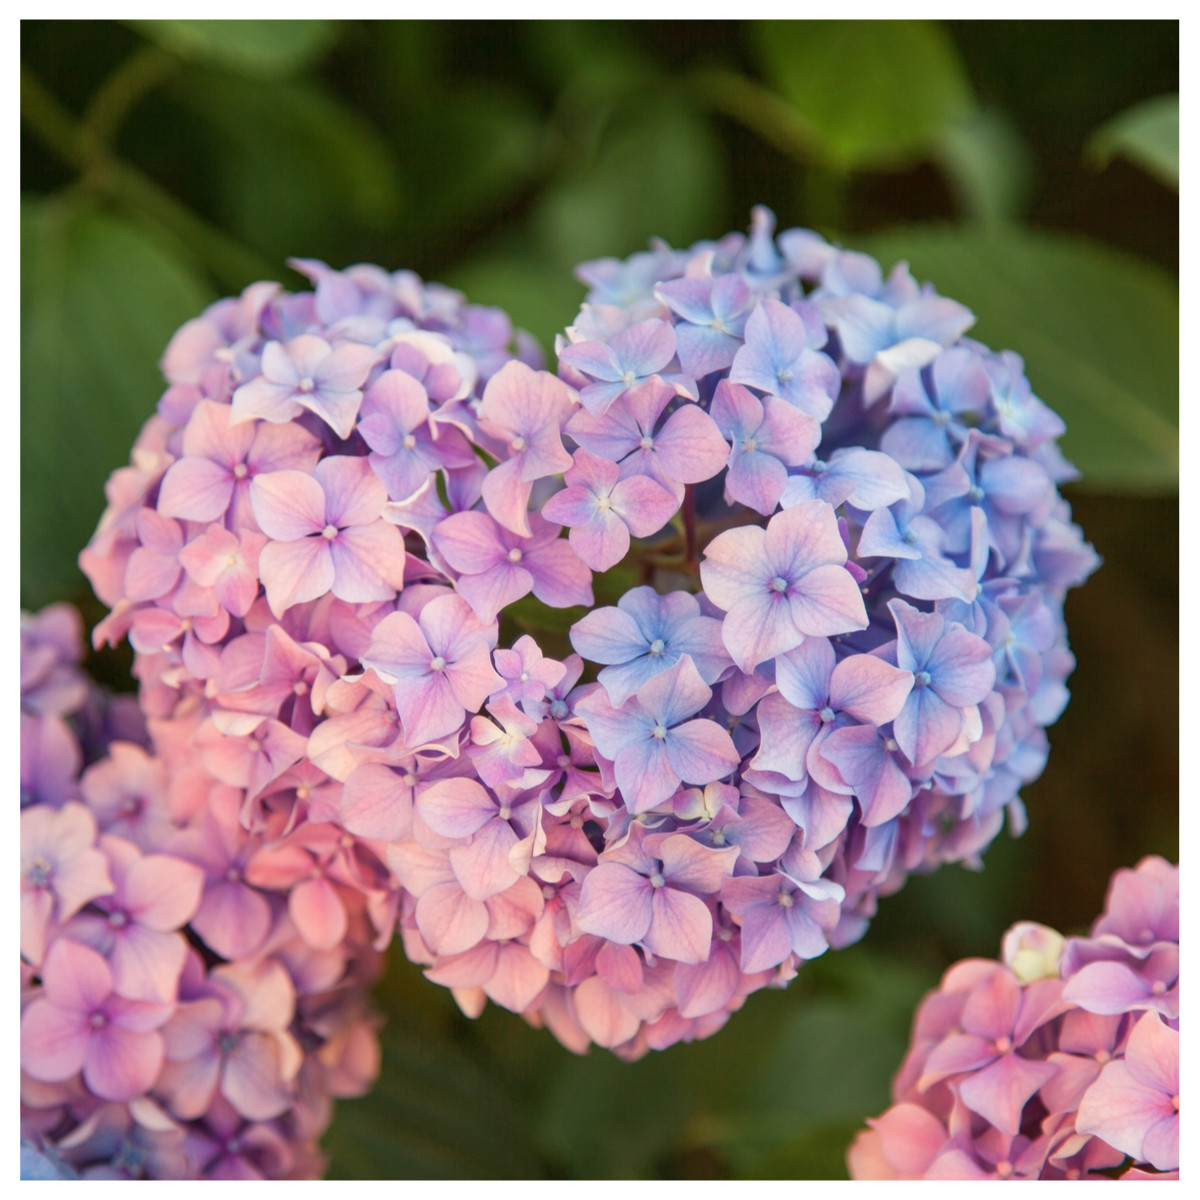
(873, 94)
(100, 299)
(1099, 332)
(822, 1052)
(655, 174)
(293, 165)
(443, 1107)
(260, 49)
(598, 57)
(989, 165)
(477, 150)
(1147, 134)
(816, 1153)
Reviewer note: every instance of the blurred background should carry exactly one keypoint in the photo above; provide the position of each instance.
(1029, 170)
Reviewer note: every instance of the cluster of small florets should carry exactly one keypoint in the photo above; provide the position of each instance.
(187, 1011)
(835, 670)
(1061, 1062)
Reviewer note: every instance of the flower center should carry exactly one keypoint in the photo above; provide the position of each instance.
(785, 900)
(558, 709)
(1158, 987)
(628, 378)
(657, 880)
(305, 385)
(910, 538)
(227, 1043)
(891, 745)
(749, 445)
(778, 584)
(786, 375)
(241, 471)
(1003, 1045)
(514, 555)
(827, 714)
(118, 920)
(98, 1020)
(330, 532)
(437, 663)
(922, 679)
(518, 444)
(409, 441)
(659, 731)
(38, 872)
(647, 443)
(657, 647)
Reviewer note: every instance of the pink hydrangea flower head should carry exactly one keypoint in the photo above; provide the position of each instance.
(1009, 1076)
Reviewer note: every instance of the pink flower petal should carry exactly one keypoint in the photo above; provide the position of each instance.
(319, 913)
(121, 1064)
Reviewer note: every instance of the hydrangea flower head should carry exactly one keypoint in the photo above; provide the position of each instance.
(1015, 1072)
(832, 562)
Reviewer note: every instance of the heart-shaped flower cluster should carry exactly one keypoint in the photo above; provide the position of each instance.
(1060, 1062)
(829, 522)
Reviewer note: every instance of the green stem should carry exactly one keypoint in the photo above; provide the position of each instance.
(77, 144)
(759, 109)
(121, 92)
(691, 557)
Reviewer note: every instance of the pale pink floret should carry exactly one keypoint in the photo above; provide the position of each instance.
(523, 411)
(781, 584)
(1134, 1105)
(227, 563)
(308, 373)
(153, 896)
(61, 870)
(234, 1041)
(79, 1023)
(440, 665)
(327, 535)
(220, 460)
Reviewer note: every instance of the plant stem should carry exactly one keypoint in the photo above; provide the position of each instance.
(121, 92)
(691, 558)
(77, 144)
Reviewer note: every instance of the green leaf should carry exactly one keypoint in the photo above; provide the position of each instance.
(1146, 134)
(873, 94)
(100, 299)
(479, 146)
(989, 165)
(819, 1053)
(653, 175)
(1098, 329)
(440, 1109)
(293, 165)
(260, 49)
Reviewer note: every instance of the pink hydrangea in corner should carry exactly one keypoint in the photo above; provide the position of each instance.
(1059, 1062)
